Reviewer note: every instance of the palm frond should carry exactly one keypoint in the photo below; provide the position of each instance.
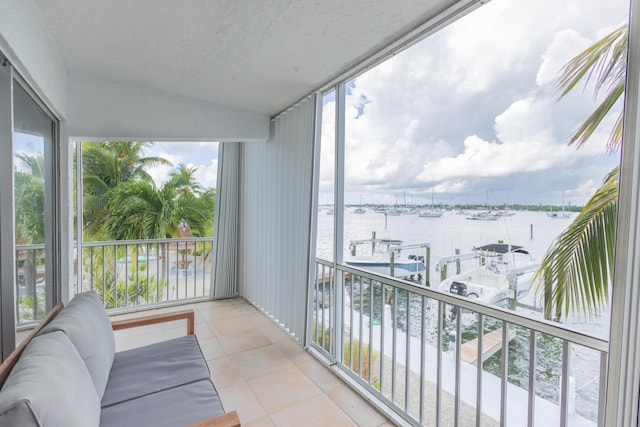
(605, 61)
(579, 263)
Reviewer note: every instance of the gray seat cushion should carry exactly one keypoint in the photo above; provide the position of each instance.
(87, 325)
(176, 407)
(49, 386)
(155, 367)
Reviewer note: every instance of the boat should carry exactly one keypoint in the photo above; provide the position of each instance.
(559, 214)
(359, 211)
(384, 253)
(431, 212)
(497, 263)
(483, 216)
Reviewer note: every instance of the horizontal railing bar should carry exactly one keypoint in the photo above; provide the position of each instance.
(323, 262)
(155, 305)
(539, 325)
(29, 247)
(145, 241)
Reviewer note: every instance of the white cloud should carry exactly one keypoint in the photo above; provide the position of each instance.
(474, 102)
(200, 155)
(207, 175)
(564, 46)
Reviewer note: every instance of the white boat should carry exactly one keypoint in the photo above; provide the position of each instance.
(359, 211)
(384, 253)
(430, 213)
(483, 216)
(559, 214)
(403, 267)
(489, 280)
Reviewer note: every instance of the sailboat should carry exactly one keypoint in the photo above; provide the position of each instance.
(431, 212)
(559, 214)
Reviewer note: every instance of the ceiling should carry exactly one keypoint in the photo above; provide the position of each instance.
(260, 56)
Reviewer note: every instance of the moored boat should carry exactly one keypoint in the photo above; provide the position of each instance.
(386, 258)
(503, 272)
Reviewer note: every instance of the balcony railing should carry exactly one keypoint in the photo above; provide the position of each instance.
(134, 273)
(126, 274)
(417, 350)
(30, 283)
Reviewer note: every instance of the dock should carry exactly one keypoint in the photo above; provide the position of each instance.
(327, 278)
(491, 344)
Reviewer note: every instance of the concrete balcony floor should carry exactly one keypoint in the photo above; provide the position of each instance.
(259, 370)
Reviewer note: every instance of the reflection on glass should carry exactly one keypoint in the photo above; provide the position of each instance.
(32, 143)
(326, 208)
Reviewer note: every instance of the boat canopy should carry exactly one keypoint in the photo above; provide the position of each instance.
(501, 248)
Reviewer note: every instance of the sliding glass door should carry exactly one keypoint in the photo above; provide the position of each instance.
(34, 133)
(29, 285)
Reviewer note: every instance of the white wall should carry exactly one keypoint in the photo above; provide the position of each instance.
(25, 41)
(106, 110)
(275, 208)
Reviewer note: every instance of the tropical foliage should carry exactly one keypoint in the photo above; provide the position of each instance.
(576, 272)
(121, 200)
(106, 165)
(29, 229)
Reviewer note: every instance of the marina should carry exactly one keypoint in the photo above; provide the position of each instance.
(534, 230)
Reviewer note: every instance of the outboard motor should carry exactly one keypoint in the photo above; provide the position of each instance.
(458, 289)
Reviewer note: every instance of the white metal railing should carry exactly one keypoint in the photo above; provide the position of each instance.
(30, 289)
(132, 273)
(127, 274)
(399, 342)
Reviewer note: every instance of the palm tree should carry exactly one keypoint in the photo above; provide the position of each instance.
(576, 271)
(30, 215)
(140, 210)
(105, 165)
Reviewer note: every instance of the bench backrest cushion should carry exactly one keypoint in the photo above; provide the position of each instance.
(49, 386)
(87, 325)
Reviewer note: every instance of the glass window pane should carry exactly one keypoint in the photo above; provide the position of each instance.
(32, 147)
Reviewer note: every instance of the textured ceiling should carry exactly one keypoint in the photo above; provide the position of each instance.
(256, 55)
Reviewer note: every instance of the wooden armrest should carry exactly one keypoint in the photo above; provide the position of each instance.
(157, 318)
(230, 419)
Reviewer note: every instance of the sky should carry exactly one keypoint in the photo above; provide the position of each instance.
(200, 155)
(471, 113)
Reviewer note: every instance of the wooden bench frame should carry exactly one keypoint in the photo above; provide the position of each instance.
(229, 419)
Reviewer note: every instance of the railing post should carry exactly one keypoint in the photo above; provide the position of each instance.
(427, 264)
(512, 291)
(392, 264)
(443, 271)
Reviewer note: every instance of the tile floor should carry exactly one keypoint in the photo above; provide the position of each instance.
(260, 371)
